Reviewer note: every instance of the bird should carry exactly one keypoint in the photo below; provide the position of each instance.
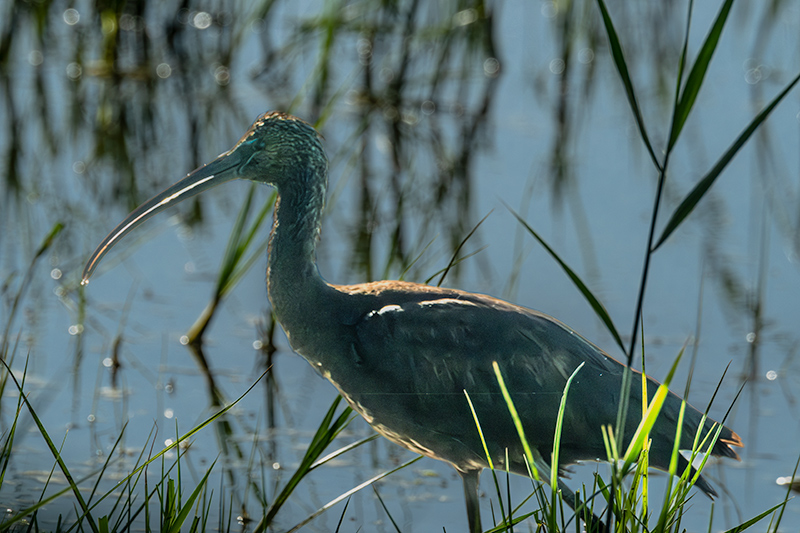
(402, 354)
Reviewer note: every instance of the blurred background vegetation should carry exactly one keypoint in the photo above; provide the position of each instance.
(434, 114)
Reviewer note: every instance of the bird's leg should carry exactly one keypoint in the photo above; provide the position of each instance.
(470, 479)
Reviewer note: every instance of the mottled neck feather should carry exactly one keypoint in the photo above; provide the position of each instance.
(295, 288)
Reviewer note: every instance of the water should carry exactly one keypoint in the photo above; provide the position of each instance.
(92, 145)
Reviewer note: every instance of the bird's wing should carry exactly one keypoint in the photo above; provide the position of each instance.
(417, 350)
(417, 357)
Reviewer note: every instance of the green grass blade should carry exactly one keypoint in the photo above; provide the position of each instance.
(18, 516)
(532, 459)
(695, 79)
(480, 431)
(326, 432)
(453, 259)
(637, 441)
(622, 410)
(504, 527)
(178, 521)
(139, 469)
(350, 492)
(788, 496)
(559, 425)
(693, 198)
(385, 510)
(486, 453)
(414, 261)
(109, 456)
(673, 468)
(234, 265)
(557, 441)
(744, 525)
(622, 68)
(598, 307)
(8, 443)
(52, 447)
(610, 443)
(43, 247)
(682, 61)
(342, 450)
(453, 263)
(233, 248)
(242, 266)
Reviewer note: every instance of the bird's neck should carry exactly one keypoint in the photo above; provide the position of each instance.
(296, 289)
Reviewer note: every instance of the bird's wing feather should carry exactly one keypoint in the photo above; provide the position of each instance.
(420, 355)
(418, 349)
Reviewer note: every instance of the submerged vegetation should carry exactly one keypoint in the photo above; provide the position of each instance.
(101, 103)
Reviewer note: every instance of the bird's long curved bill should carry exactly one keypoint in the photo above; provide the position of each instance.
(222, 169)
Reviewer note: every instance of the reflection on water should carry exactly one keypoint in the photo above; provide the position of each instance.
(433, 115)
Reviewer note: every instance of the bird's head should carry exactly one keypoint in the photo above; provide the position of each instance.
(278, 149)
